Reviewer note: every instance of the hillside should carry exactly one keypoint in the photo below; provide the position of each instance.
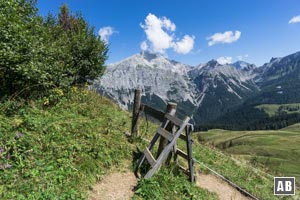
(60, 151)
(277, 151)
(60, 139)
(258, 117)
(278, 109)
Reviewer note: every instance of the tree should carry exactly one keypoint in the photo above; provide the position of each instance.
(88, 52)
(38, 55)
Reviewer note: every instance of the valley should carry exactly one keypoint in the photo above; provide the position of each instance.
(276, 151)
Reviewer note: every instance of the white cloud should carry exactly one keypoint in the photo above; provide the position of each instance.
(185, 45)
(294, 20)
(160, 35)
(168, 24)
(144, 46)
(159, 38)
(224, 60)
(106, 32)
(226, 37)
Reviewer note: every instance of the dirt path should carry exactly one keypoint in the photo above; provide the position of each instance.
(120, 185)
(220, 187)
(115, 186)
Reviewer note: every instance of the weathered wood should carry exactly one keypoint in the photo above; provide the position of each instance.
(183, 137)
(189, 142)
(167, 150)
(157, 114)
(174, 119)
(136, 112)
(184, 170)
(152, 143)
(171, 110)
(182, 154)
(165, 134)
(170, 130)
(149, 157)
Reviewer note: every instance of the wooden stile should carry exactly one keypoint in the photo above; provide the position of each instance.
(170, 146)
(170, 130)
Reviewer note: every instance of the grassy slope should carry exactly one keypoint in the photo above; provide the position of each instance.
(64, 149)
(254, 180)
(272, 109)
(277, 152)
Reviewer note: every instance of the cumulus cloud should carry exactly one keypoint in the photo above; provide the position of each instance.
(185, 45)
(160, 35)
(106, 32)
(295, 19)
(224, 60)
(144, 46)
(226, 37)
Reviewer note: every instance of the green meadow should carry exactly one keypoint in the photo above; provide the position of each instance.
(275, 109)
(277, 151)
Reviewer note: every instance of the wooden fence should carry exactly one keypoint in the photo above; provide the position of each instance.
(167, 134)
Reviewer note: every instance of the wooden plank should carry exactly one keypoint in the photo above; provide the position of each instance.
(135, 112)
(190, 152)
(183, 137)
(149, 157)
(171, 110)
(174, 119)
(157, 114)
(183, 169)
(166, 150)
(182, 154)
(142, 158)
(166, 134)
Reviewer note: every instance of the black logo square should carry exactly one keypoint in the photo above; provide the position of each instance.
(284, 185)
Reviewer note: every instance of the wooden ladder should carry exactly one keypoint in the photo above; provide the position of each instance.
(178, 127)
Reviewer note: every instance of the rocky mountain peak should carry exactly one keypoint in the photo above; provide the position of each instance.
(243, 65)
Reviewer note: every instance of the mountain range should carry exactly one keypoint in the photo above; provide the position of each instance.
(207, 92)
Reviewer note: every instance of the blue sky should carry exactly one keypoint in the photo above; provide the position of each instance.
(193, 31)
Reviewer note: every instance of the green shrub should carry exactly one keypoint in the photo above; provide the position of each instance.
(38, 55)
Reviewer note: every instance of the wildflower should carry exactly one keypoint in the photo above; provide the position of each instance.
(17, 122)
(74, 89)
(6, 166)
(1, 150)
(59, 91)
(19, 135)
(8, 156)
(46, 102)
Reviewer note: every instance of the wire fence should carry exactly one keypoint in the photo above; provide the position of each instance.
(243, 191)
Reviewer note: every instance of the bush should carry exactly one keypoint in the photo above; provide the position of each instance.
(38, 55)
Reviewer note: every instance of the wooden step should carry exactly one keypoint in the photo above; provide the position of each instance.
(183, 137)
(166, 134)
(182, 154)
(187, 172)
(175, 120)
(149, 157)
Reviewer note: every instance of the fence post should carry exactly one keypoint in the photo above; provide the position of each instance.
(135, 112)
(171, 109)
